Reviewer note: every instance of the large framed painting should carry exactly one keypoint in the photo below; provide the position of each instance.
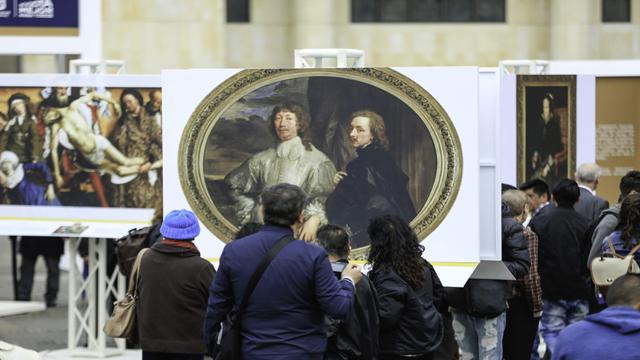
(546, 125)
(83, 146)
(79, 150)
(359, 142)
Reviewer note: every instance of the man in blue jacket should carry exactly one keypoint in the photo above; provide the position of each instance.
(284, 317)
(613, 333)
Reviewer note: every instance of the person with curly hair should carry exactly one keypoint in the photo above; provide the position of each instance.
(408, 289)
(626, 236)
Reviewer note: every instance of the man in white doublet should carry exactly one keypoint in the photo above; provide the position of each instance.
(294, 161)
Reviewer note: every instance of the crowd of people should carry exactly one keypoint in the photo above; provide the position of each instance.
(311, 303)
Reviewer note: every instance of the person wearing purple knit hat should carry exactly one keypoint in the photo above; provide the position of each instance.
(173, 289)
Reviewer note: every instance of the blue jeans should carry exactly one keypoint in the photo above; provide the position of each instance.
(479, 337)
(557, 315)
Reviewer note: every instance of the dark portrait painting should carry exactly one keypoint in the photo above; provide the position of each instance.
(354, 145)
(546, 127)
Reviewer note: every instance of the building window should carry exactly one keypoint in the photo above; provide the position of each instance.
(10, 64)
(238, 11)
(616, 11)
(428, 11)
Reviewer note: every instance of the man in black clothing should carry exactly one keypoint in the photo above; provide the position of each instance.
(562, 254)
(356, 337)
(538, 192)
(373, 183)
(51, 249)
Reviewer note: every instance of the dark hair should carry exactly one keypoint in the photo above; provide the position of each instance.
(629, 182)
(566, 193)
(394, 246)
(133, 92)
(624, 291)
(538, 186)
(505, 187)
(376, 126)
(247, 229)
(334, 239)
(282, 204)
(630, 219)
(303, 120)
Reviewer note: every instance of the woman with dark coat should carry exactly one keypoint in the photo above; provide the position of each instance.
(407, 288)
(173, 290)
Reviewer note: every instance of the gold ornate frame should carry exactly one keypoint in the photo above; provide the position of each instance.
(201, 123)
(525, 81)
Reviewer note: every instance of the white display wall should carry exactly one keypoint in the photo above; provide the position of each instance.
(453, 247)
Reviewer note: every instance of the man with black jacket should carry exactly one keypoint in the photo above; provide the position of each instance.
(479, 309)
(355, 337)
(563, 250)
(538, 193)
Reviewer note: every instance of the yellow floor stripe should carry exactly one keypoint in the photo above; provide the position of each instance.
(16, 218)
(362, 262)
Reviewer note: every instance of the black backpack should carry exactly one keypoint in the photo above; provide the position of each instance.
(128, 246)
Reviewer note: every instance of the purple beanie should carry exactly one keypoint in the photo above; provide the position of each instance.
(180, 225)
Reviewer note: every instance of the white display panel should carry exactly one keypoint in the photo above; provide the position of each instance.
(489, 152)
(453, 246)
(94, 221)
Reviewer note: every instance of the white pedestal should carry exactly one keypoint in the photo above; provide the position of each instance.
(8, 308)
(67, 354)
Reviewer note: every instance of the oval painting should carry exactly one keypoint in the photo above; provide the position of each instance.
(359, 142)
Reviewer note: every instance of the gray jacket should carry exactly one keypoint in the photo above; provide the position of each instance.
(589, 205)
(608, 223)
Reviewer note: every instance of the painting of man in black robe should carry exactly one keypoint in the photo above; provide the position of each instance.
(372, 185)
(405, 164)
(547, 126)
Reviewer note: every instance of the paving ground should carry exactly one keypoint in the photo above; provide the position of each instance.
(45, 330)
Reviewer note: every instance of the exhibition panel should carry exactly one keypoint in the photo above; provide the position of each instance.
(430, 126)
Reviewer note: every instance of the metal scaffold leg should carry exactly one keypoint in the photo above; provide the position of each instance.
(88, 300)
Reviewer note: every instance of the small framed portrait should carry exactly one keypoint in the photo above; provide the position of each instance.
(546, 125)
(359, 142)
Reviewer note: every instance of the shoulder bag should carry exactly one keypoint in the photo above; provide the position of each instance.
(606, 268)
(228, 344)
(122, 322)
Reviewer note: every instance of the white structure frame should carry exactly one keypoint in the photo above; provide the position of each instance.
(86, 316)
(533, 67)
(86, 319)
(315, 58)
(82, 66)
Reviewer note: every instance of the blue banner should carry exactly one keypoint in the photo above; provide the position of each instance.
(38, 17)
